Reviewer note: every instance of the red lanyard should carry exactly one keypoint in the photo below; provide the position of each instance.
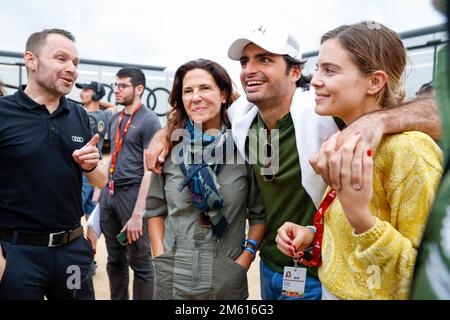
(119, 140)
(316, 259)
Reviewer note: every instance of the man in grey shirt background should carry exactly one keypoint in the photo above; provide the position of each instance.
(122, 201)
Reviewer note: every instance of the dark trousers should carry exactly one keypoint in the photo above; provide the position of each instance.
(58, 273)
(115, 211)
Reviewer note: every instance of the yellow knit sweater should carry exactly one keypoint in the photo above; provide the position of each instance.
(379, 263)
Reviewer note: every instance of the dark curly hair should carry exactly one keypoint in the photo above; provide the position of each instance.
(177, 115)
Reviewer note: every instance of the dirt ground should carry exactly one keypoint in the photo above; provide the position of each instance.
(101, 282)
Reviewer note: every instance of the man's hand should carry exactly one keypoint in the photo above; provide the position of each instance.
(133, 228)
(157, 151)
(327, 162)
(292, 238)
(245, 259)
(2, 264)
(88, 156)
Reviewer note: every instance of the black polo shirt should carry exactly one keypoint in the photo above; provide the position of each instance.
(40, 183)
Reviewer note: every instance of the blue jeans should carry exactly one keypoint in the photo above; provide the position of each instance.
(86, 196)
(272, 285)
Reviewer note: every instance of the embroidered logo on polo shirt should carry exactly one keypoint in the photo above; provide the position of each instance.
(77, 139)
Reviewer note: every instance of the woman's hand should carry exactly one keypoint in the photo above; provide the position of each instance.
(157, 253)
(156, 234)
(356, 202)
(292, 238)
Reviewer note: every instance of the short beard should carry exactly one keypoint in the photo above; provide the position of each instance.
(128, 101)
(51, 87)
(254, 100)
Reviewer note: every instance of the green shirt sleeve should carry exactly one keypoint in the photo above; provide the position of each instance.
(255, 213)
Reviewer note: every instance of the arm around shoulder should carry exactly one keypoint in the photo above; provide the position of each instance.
(416, 115)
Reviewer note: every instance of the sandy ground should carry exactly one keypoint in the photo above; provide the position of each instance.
(101, 282)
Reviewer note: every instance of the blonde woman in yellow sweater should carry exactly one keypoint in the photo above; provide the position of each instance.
(370, 236)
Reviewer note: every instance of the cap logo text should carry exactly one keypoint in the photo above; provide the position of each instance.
(260, 29)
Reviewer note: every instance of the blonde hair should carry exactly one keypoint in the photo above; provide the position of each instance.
(372, 47)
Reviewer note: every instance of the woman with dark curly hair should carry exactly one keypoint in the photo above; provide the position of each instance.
(199, 205)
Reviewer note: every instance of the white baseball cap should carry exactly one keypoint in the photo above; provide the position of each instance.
(270, 38)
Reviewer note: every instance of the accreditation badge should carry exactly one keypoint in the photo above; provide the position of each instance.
(294, 280)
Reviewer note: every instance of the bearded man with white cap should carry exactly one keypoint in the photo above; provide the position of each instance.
(279, 103)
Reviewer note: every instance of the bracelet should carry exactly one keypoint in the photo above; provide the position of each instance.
(312, 228)
(254, 243)
(253, 252)
(90, 170)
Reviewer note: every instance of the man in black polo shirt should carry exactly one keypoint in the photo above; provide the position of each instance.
(45, 146)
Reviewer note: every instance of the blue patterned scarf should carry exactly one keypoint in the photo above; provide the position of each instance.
(200, 176)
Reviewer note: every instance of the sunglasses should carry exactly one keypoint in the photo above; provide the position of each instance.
(267, 170)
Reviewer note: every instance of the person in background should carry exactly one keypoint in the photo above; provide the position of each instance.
(90, 96)
(426, 91)
(122, 202)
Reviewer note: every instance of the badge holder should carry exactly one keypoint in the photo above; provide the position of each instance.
(294, 280)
